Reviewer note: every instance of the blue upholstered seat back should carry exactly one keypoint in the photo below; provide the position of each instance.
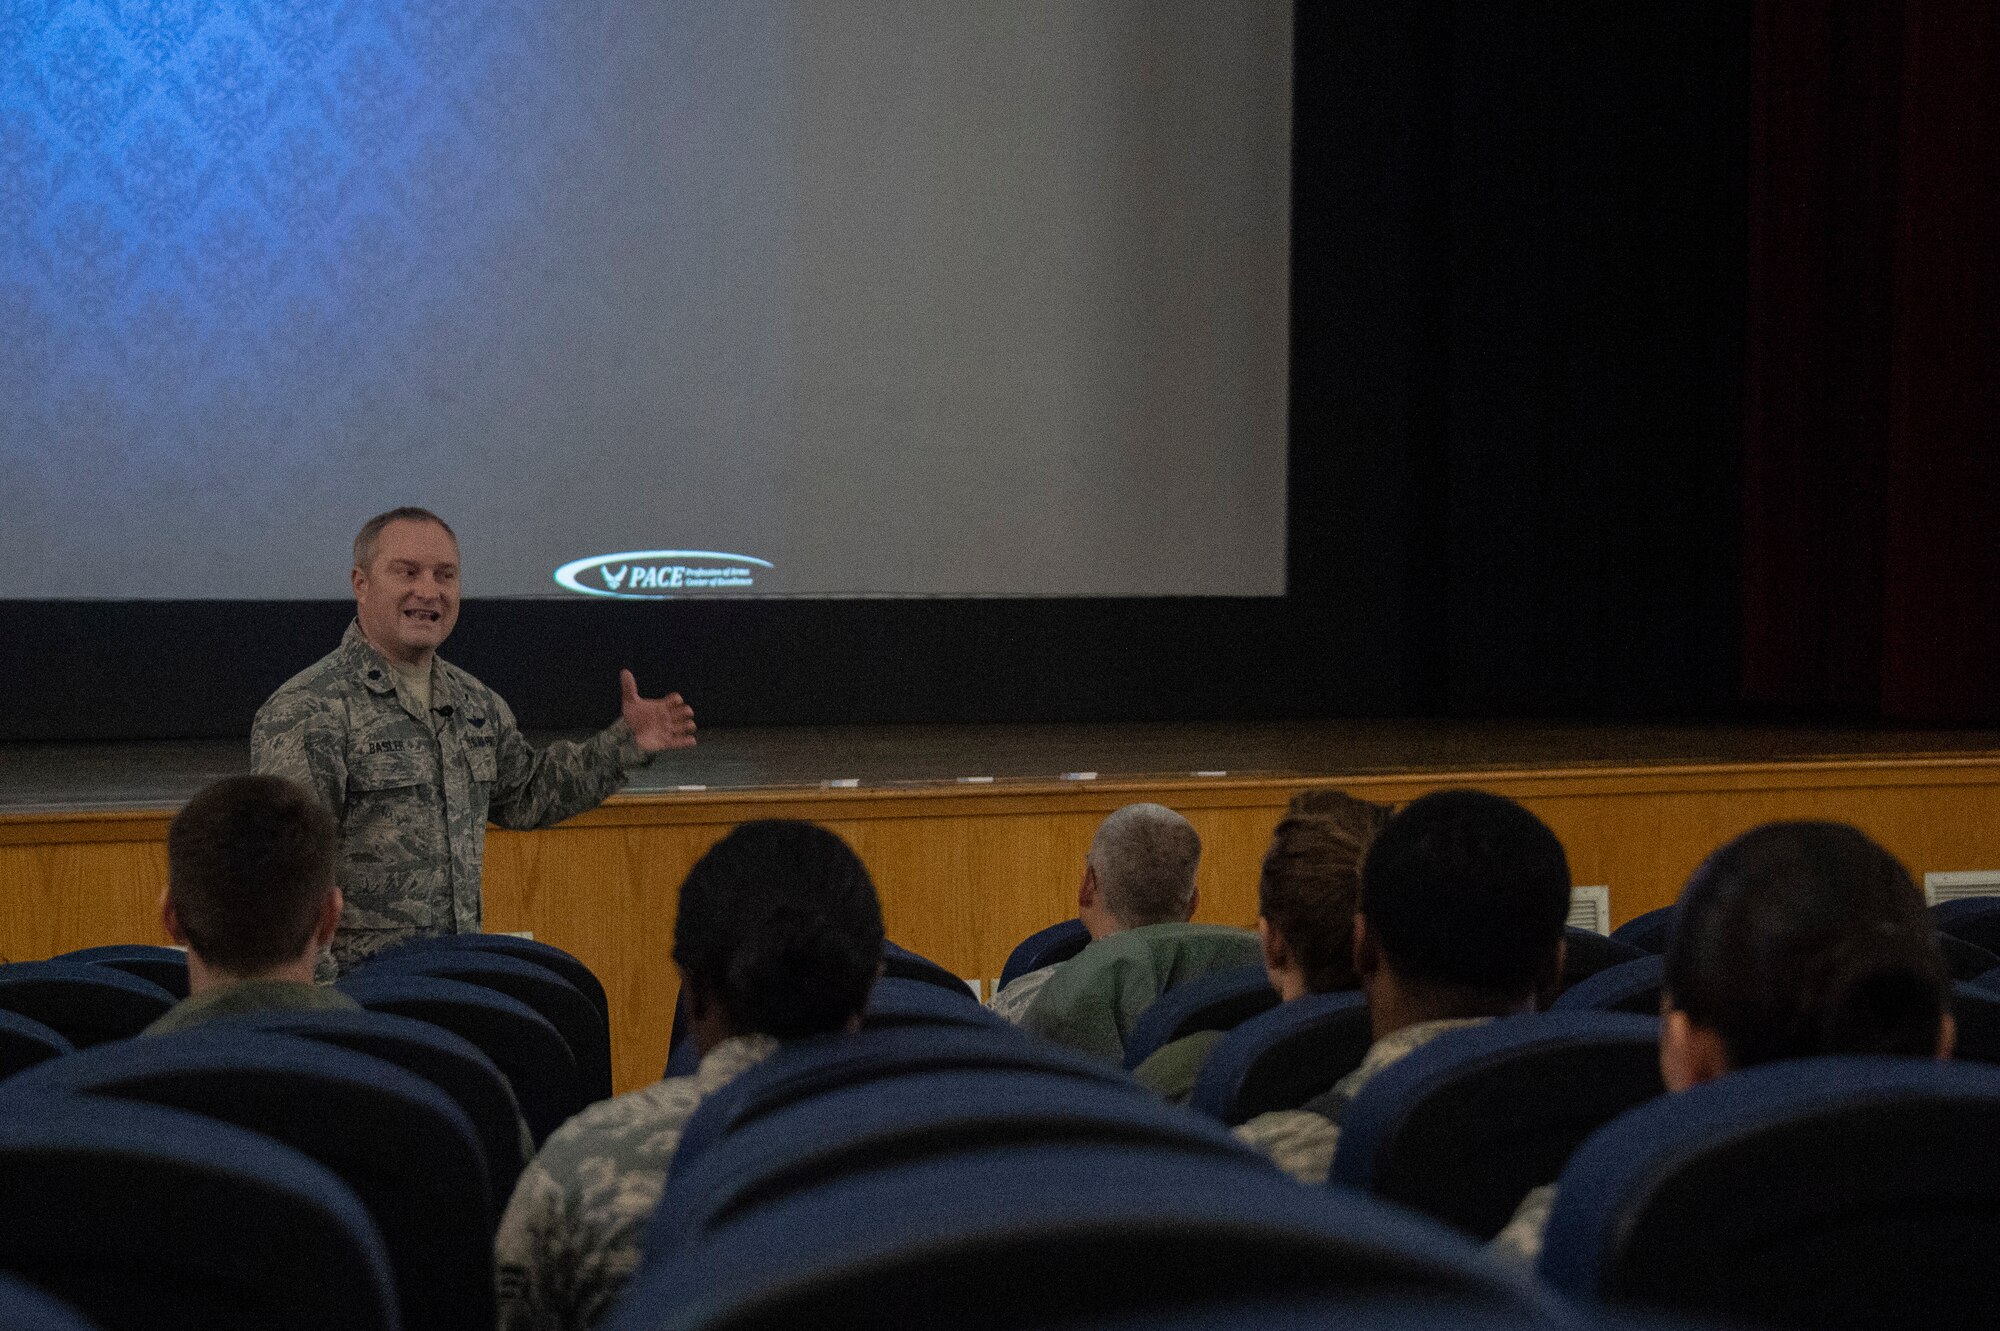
(405, 1148)
(979, 1239)
(1218, 1001)
(529, 1052)
(156, 1219)
(1284, 1057)
(88, 1004)
(1463, 1127)
(1823, 1192)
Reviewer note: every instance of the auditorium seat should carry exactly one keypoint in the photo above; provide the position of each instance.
(580, 1022)
(816, 1140)
(899, 963)
(975, 1240)
(1466, 1126)
(1045, 947)
(1627, 993)
(164, 966)
(25, 1042)
(449, 1062)
(892, 1002)
(1975, 1010)
(1282, 1058)
(529, 1052)
(1349, 1311)
(1586, 952)
(1630, 986)
(1963, 960)
(545, 955)
(1834, 1192)
(1361, 1312)
(152, 1219)
(1974, 919)
(901, 1002)
(1648, 932)
(804, 1068)
(88, 1004)
(683, 1058)
(24, 1307)
(1218, 1001)
(406, 1149)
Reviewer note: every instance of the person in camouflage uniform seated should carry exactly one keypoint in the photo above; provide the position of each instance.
(413, 755)
(1794, 940)
(1464, 896)
(778, 937)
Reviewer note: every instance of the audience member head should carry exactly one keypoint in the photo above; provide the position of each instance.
(779, 933)
(1307, 891)
(250, 889)
(1140, 870)
(1464, 896)
(1794, 939)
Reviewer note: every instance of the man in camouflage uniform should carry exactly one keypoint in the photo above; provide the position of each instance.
(1463, 900)
(1302, 1141)
(414, 756)
(574, 1231)
(777, 937)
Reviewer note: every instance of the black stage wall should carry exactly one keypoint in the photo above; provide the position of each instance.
(1517, 346)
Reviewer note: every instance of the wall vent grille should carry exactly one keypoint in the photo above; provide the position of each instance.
(1960, 883)
(1590, 908)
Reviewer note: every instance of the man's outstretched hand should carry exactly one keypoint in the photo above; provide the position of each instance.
(657, 723)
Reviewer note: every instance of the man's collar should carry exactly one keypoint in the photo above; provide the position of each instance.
(365, 662)
(379, 677)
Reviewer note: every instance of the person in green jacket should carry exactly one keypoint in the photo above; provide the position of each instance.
(1136, 898)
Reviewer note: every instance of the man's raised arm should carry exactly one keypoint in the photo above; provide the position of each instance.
(537, 787)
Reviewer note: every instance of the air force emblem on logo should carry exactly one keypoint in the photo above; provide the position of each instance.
(639, 575)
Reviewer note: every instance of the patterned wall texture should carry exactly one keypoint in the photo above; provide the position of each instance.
(241, 239)
(903, 296)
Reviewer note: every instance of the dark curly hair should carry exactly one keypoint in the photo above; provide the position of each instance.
(1467, 889)
(1802, 938)
(779, 925)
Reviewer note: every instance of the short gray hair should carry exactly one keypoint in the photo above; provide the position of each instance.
(1145, 856)
(370, 534)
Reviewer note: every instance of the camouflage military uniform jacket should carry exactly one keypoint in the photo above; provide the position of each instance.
(1302, 1141)
(1014, 1001)
(413, 791)
(572, 1233)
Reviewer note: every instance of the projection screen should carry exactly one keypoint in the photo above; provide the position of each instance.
(647, 297)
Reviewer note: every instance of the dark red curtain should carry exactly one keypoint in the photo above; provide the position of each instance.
(1872, 466)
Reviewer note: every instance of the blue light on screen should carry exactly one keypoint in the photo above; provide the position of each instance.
(233, 225)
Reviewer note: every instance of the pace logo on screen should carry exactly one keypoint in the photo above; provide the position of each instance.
(639, 575)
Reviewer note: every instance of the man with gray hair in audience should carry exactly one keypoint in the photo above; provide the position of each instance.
(1136, 899)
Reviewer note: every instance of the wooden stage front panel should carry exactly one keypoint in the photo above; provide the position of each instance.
(965, 871)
